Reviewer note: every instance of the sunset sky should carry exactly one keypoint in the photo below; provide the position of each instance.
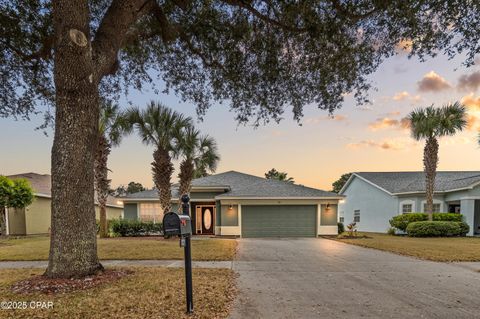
(370, 138)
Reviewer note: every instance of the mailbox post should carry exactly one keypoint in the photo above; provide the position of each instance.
(188, 258)
(181, 226)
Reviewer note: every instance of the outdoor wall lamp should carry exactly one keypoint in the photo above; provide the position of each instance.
(328, 206)
(230, 207)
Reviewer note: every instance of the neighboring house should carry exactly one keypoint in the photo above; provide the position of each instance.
(234, 203)
(35, 219)
(373, 198)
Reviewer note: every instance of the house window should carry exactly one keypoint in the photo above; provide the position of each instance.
(436, 207)
(407, 208)
(356, 216)
(150, 212)
(342, 219)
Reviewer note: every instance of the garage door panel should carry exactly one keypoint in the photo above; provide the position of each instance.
(279, 220)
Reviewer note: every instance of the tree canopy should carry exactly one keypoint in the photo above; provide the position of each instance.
(281, 176)
(339, 183)
(263, 57)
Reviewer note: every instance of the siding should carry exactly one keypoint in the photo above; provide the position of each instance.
(229, 217)
(38, 216)
(376, 206)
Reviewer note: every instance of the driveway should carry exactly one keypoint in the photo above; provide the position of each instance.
(313, 278)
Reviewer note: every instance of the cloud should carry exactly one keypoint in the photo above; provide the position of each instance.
(473, 123)
(386, 123)
(404, 96)
(316, 120)
(432, 82)
(387, 144)
(471, 102)
(469, 82)
(404, 46)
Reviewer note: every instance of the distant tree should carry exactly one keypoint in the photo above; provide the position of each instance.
(199, 157)
(281, 176)
(431, 123)
(15, 193)
(160, 126)
(338, 184)
(134, 187)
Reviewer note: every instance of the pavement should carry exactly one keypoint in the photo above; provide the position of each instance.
(321, 278)
(112, 263)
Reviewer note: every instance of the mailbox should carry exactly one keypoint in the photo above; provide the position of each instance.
(177, 225)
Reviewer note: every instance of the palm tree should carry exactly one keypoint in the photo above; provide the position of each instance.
(430, 124)
(200, 156)
(111, 127)
(161, 127)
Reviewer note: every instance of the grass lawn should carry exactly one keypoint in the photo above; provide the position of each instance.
(147, 293)
(436, 249)
(36, 248)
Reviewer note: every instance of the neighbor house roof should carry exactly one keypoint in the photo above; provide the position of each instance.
(240, 185)
(414, 182)
(42, 185)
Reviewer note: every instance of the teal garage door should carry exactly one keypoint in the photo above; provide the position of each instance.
(279, 220)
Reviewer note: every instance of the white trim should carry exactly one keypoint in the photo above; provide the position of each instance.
(278, 198)
(229, 230)
(42, 195)
(435, 201)
(406, 202)
(468, 197)
(319, 215)
(349, 180)
(134, 200)
(328, 230)
(7, 228)
(239, 216)
(210, 188)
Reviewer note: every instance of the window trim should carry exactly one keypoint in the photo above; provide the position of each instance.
(435, 201)
(354, 212)
(406, 202)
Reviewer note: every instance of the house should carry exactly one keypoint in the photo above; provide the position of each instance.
(239, 204)
(373, 198)
(35, 218)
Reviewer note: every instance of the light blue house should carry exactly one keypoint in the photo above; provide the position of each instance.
(373, 198)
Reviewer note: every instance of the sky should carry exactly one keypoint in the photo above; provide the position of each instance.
(373, 137)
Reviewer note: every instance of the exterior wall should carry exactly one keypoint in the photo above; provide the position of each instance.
(376, 206)
(16, 221)
(112, 212)
(130, 211)
(229, 217)
(467, 209)
(38, 216)
(419, 200)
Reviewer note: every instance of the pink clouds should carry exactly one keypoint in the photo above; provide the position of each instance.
(386, 123)
(432, 82)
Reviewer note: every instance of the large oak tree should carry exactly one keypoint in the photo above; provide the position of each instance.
(260, 56)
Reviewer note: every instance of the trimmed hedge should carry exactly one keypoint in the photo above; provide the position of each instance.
(401, 221)
(437, 229)
(341, 228)
(134, 228)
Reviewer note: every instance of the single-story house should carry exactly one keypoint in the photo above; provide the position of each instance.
(239, 204)
(373, 198)
(36, 218)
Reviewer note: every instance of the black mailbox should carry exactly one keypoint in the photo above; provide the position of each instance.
(177, 225)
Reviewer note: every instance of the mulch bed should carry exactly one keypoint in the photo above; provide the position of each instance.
(41, 284)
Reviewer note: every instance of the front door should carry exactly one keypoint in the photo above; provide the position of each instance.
(205, 219)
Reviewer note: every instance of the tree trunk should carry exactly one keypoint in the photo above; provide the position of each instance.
(73, 241)
(162, 169)
(185, 176)
(430, 162)
(102, 183)
(3, 221)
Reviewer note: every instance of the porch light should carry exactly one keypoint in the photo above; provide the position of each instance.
(328, 206)
(230, 207)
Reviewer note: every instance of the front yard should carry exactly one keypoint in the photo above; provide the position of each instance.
(437, 249)
(147, 293)
(36, 248)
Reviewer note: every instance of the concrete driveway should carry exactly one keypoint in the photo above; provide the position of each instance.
(321, 278)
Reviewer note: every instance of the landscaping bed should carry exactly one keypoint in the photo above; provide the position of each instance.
(447, 249)
(143, 293)
(132, 248)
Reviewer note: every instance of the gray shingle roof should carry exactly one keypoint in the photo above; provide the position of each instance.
(403, 182)
(239, 184)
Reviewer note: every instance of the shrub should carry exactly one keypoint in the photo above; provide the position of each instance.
(391, 231)
(437, 229)
(133, 228)
(341, 228)
(401, 221)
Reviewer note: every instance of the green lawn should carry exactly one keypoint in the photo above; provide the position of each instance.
(436, 249)
(148, 293)
(36, 248)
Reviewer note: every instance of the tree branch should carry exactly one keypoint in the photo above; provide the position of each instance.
(350, 15)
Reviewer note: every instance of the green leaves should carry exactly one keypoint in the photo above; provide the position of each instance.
(15, 193)
(437, 122)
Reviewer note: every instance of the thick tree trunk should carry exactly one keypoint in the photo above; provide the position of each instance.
(430, 162)
(162, 169)
(187, 169)
(102, 183)
(73, 243)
